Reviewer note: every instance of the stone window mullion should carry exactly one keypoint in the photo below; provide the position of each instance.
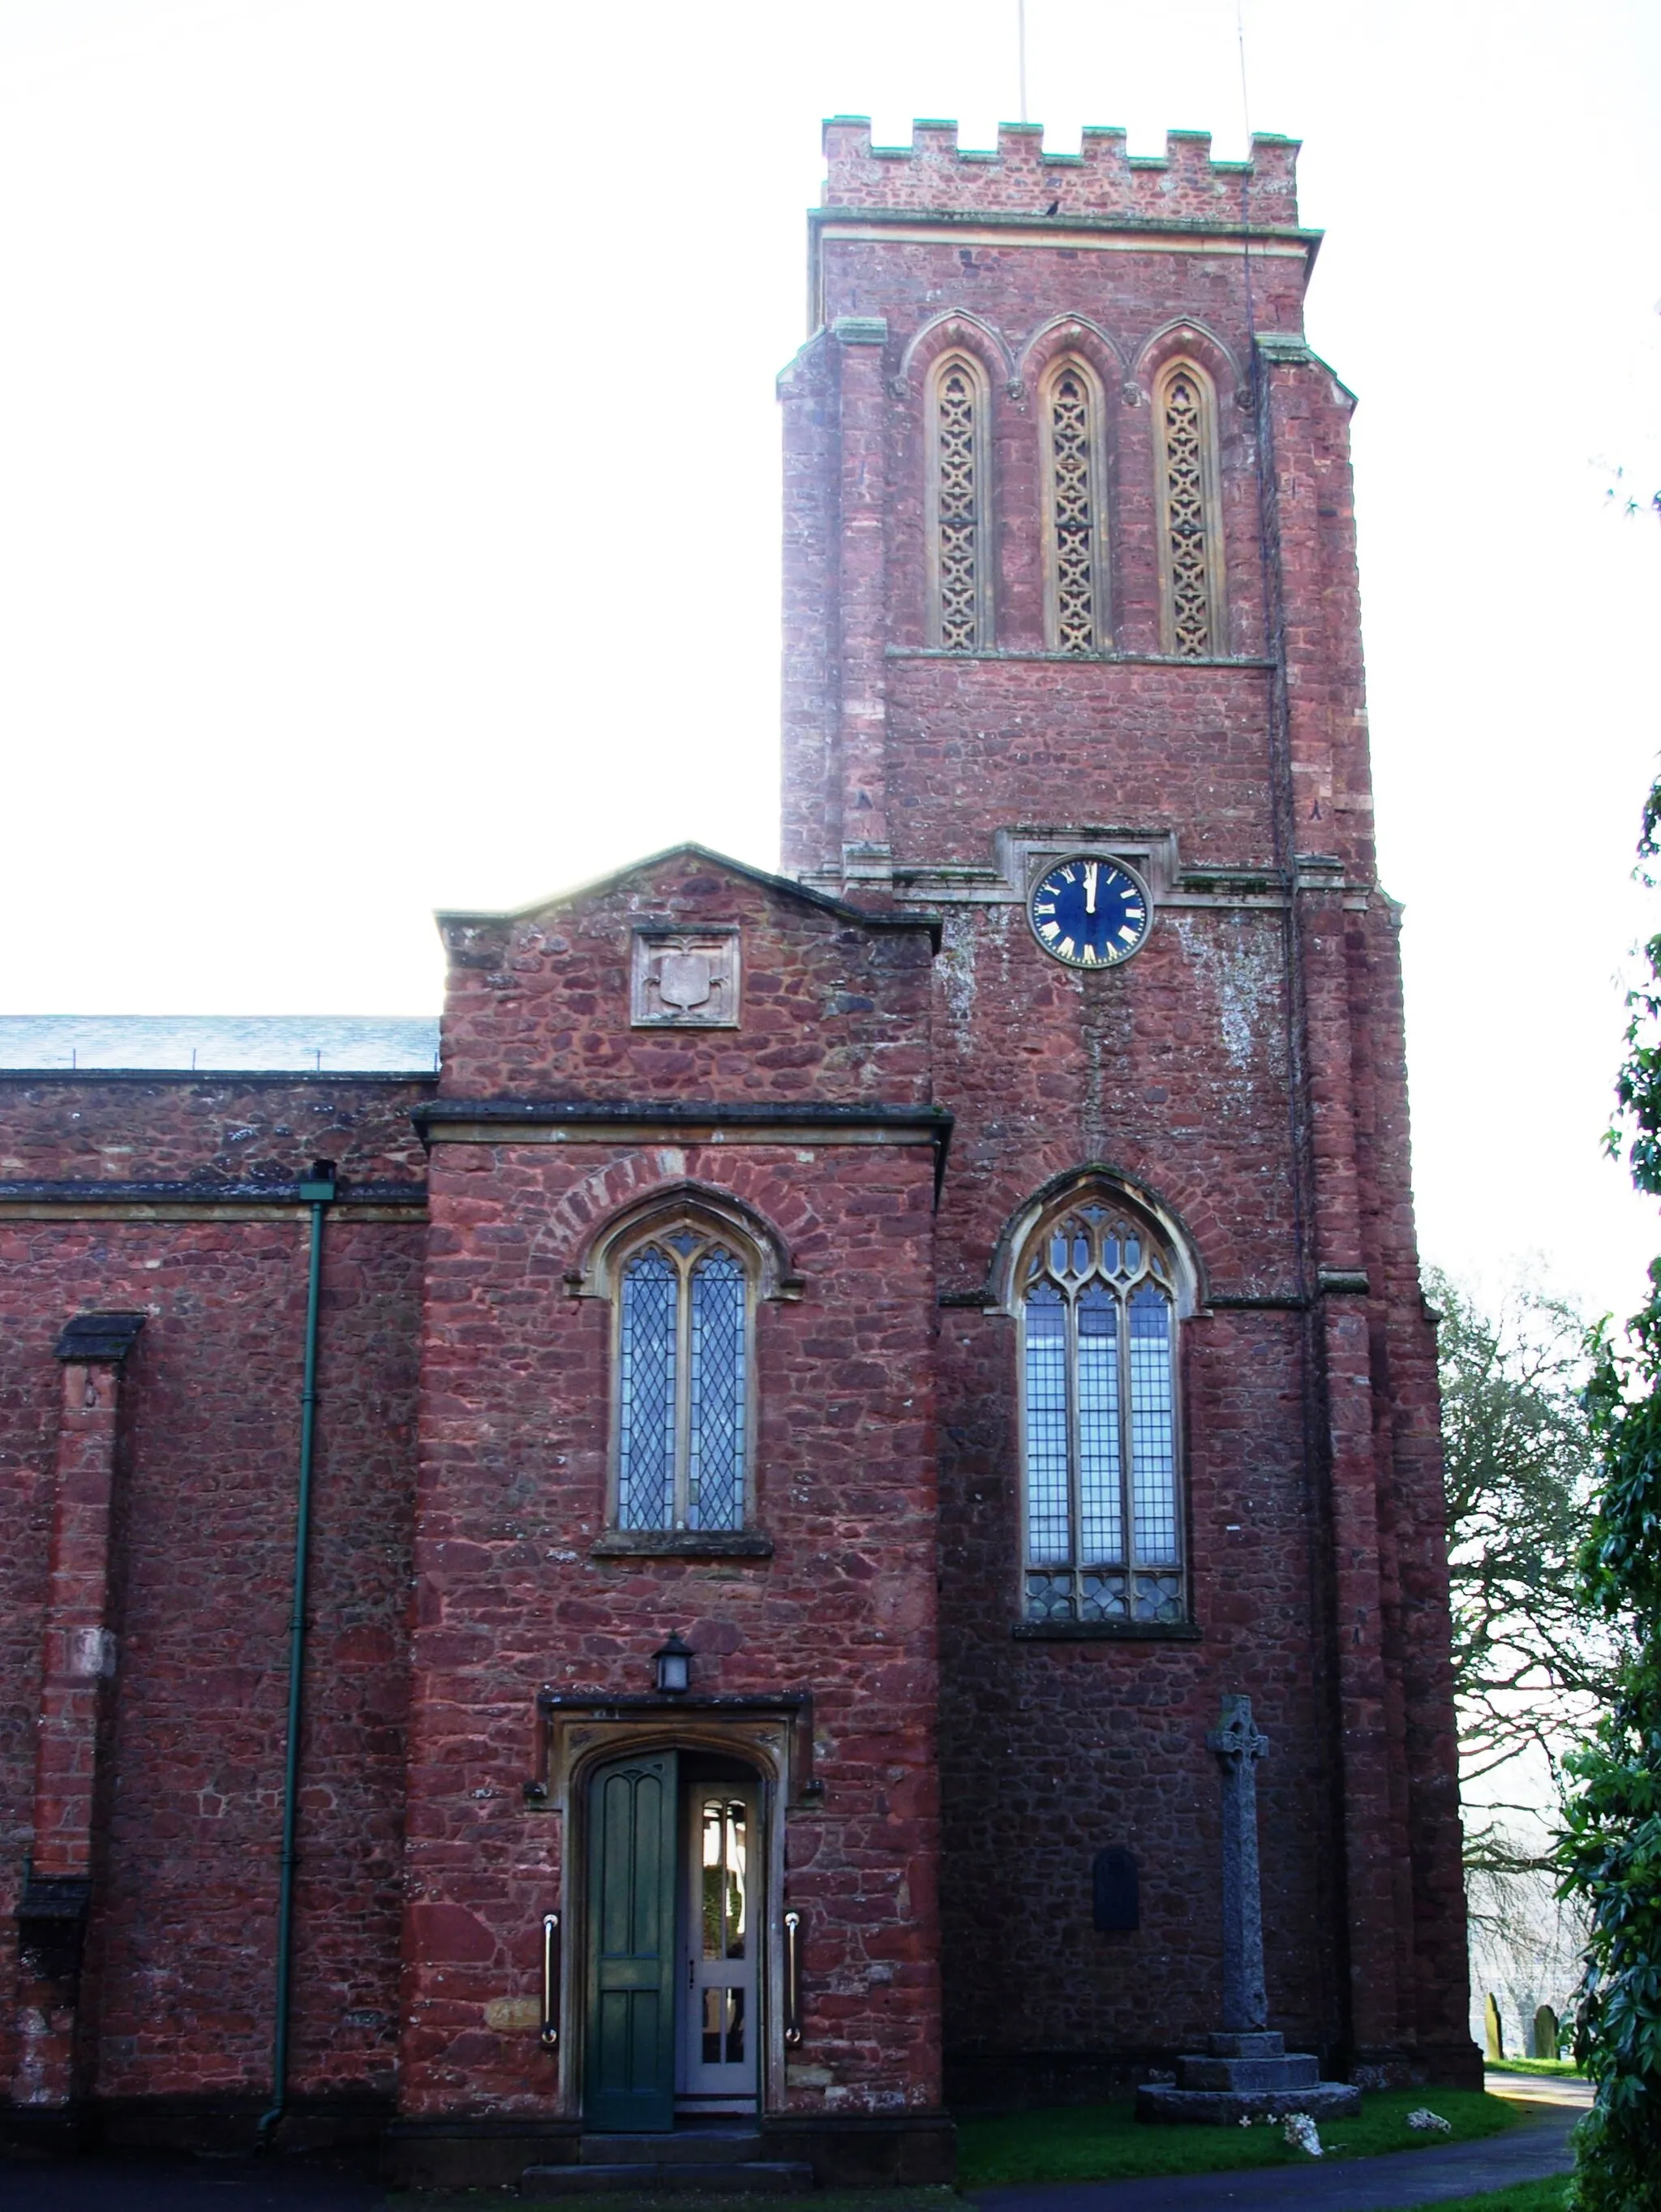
(1075, 1451)
(1127, 1445)
(682, 1394)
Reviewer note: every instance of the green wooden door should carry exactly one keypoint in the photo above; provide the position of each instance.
(629, 2069)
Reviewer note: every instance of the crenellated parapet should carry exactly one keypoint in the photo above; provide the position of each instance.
(933, 173)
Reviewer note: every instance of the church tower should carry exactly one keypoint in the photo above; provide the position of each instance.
(1073, 661)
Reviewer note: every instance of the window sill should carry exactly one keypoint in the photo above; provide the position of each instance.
(1111, 656)
(681, 1544)
(1105, 1631)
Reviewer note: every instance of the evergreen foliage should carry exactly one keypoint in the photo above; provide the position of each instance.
(1610, 1850)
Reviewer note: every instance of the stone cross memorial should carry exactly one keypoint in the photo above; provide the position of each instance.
(1245, 2071)
(1239, 1747)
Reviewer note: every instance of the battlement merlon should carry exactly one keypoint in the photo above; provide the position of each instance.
(1187, 186)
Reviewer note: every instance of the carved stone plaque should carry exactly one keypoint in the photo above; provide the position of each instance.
(686, 979)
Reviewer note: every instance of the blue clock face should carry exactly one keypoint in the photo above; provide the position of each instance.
(1090, 913)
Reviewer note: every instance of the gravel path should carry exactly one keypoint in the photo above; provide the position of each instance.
(1532, 2152)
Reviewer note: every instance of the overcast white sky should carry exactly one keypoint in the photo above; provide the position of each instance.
(389, 481)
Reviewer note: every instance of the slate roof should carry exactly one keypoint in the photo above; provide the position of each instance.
(305, 1044)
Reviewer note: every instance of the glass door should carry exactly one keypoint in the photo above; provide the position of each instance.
(720, 1942)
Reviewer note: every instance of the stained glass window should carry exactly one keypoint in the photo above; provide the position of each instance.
(1097, 1311)
(1191, 541)
(683, 1338)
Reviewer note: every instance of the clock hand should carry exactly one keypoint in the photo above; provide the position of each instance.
(1090, 888)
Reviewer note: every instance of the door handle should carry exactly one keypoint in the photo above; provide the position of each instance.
(550, 2035)
(792, 1979)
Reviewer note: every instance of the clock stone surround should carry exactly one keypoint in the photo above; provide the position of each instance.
(1059, 905)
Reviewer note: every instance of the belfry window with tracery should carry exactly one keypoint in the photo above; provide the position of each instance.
(960, 579)
(684, 1302)
(1075, 609)
(1103, 1528)
(1191, 536)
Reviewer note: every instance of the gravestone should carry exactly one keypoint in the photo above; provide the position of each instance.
(1546, 2033)
(1493, 2032)
(1246, 2071)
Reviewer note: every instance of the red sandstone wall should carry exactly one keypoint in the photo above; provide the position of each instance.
(1055, 1750)
(211, 1129)
(179, 1985)
(1100, 180)
(516, 1434)
(515, 1425)
(832, 1010)
(981, 743)
(1431, 1900)
(1175, 1072)
(810, 804)
(1391, 1671)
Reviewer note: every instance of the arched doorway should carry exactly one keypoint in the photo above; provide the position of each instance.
(675, 1915)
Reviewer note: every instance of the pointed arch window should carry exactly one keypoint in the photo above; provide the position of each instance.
(685, 1304)
(959, 492)
(1103, 1524)
(1191, 517)
(1074, 510)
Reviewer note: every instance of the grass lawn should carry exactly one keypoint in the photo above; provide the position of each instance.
(1107, 2142)
(1532, 2066)
(1521, 2196)
(1097, 2142)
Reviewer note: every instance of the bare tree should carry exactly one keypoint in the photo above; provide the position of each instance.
(1531, 1666)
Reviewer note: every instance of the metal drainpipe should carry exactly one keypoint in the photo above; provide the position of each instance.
(317, 1191)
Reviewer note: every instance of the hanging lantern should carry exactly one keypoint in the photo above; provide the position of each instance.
(674, 1666)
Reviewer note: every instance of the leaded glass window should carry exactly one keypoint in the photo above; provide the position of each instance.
(1098, 1346)
(960, 579)
(683, 1383)
(1191, 539)
(1075, 573)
